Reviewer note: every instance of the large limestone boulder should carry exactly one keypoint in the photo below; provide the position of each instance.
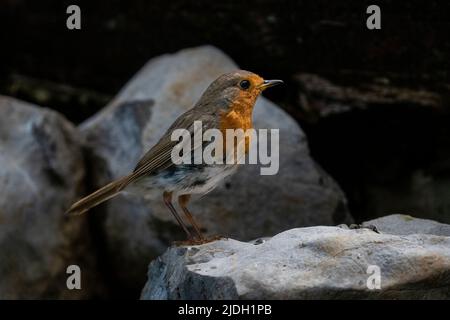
(41, 173)
(306, 263)
(247, 206)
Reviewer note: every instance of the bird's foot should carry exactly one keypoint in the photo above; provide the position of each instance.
(197, 241)
(361, 226)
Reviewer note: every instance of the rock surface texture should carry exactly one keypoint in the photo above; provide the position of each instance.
(307, 263)
(41, 173)
(247, 206)
(401, 224)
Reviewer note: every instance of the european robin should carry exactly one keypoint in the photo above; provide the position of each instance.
(226, 104)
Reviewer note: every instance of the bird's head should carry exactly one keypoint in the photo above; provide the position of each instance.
(238, 88)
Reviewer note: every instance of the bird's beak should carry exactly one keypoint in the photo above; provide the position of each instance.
(270, 83)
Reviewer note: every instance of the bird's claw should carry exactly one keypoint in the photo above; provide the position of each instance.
(361, 226)
(196, 241)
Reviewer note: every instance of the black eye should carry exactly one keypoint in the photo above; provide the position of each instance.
(244, 84)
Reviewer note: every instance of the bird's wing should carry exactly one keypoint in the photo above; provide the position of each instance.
(159, 156)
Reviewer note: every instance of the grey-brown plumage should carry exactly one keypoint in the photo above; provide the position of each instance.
(226, 104)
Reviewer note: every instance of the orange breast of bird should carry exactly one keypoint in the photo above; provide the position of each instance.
(239, 116)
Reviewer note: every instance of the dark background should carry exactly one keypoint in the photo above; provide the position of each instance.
(374, 103)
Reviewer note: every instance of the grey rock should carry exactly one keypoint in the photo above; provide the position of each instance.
(306, 263)
(401, 224)
(247, 206)
(41, 173)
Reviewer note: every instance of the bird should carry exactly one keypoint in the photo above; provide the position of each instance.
(227, 103)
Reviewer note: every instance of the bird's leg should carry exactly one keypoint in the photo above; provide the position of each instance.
(167, 196)
(183, 201)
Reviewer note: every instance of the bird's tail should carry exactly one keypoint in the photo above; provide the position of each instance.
(99, 196)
